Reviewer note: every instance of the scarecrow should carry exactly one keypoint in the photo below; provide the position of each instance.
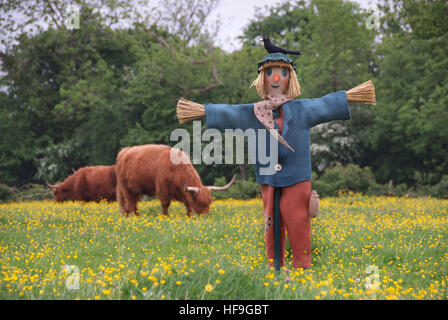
(288, 200)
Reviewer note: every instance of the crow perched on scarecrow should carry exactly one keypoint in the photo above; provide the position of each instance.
(272, 48)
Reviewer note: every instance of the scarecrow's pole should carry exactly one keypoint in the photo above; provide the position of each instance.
(277, 194)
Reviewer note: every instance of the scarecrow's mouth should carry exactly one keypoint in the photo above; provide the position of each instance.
(275, 87)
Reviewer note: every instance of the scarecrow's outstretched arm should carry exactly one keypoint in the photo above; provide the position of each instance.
(314, 111)
(189, 110)
(333, 106)
(218, 116)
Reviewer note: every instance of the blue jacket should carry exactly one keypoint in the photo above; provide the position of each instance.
(299, 116)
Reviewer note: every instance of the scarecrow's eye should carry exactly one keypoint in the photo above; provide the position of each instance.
(269, 71)
(284, 72)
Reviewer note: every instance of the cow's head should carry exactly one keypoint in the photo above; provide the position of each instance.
(60, 192)
(200, 198)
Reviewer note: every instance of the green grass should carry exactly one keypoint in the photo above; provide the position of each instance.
(222, 255)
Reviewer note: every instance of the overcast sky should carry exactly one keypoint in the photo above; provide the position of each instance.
(235, 15)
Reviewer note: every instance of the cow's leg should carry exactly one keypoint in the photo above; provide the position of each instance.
(121, 200)
(133, 200)
(130, 201)
(188, 209)
(165, 204)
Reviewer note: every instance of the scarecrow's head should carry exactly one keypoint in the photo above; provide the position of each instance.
(277, 76)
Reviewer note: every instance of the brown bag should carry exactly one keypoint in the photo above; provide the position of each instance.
(313, 207)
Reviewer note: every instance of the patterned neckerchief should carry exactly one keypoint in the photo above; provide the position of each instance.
(264, 112)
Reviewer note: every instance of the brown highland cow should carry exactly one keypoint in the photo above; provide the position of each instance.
(148, 170)
(87, 184)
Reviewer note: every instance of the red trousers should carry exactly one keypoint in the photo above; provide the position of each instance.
(294, 219)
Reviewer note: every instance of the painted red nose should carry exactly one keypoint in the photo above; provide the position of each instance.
(276, 77)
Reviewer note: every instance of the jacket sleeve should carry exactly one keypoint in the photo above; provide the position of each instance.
(225, 116)
(333, 106)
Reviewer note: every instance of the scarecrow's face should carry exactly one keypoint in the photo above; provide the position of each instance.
(276, 80)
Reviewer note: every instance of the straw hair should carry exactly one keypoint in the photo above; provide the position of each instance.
(365, 92)
(293, 89)
(189, 110)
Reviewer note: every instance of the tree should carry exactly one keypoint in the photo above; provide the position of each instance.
(63, 90)
(409, 131)
(75, 97)
(16, 160)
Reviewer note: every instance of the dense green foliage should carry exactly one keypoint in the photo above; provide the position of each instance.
(6, 193)
(71, 98)
(350, 178)
(409, 124)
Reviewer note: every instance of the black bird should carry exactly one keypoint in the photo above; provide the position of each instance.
(272, 48)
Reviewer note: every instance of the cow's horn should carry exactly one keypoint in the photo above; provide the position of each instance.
(50, 185)
(194, 189)
(223, 188)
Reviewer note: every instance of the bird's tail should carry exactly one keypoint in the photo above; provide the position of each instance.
(294, 52)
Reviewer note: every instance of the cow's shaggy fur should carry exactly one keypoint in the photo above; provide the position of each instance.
(92, 183)
(148, 170)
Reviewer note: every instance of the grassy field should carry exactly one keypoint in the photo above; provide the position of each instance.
(89, 251)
